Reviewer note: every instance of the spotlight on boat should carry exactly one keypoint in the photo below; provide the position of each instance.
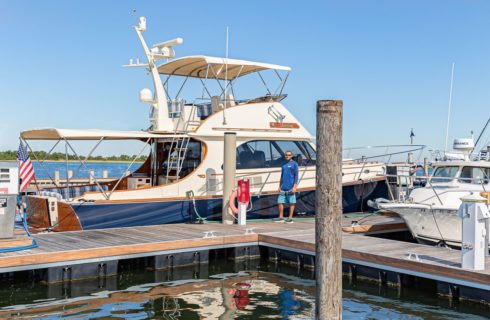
(146, 96)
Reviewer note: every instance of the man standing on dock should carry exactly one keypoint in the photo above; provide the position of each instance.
(287, 187)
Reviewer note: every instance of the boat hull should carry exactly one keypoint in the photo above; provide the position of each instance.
(115, 214)
(430, 225)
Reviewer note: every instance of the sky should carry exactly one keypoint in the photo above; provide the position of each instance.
(389, 61)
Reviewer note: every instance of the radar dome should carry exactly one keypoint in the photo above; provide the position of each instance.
(464, 146)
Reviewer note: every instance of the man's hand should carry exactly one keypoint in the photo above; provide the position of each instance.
(293, 190)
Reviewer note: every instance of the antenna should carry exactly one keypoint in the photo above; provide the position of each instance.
(226, 78)
(449, 107)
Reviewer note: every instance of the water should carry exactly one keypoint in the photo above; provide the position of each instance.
(222, 290)
(115, 169)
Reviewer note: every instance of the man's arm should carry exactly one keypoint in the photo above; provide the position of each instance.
(280, 182)
(295, 178)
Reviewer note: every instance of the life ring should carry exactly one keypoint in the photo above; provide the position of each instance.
(231, 202)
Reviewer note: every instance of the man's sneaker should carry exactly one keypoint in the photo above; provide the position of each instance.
(289, 220)
(278, 220)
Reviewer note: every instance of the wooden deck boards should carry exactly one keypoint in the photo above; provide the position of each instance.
(82, 246)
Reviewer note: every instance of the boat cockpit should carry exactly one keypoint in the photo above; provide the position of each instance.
(469, 172)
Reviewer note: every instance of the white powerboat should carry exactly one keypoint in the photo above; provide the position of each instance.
(430, 212)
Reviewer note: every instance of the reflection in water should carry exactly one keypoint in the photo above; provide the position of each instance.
(222, 290)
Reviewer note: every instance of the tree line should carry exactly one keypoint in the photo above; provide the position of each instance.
(58, 156)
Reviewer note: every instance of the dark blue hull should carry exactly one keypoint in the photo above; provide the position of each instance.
(128, 214)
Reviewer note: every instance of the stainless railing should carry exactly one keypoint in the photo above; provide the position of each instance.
(390, 153)
(404, 190)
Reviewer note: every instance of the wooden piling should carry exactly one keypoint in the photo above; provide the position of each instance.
(328, 207)
(229, 170)
(426, 167)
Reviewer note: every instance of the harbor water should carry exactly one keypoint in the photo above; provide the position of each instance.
(114, 169)
(250, 289)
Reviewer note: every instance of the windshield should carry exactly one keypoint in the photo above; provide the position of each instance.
(444, 172)
(474, 175)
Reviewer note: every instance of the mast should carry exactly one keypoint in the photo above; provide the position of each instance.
(449, 107)
(159, 102)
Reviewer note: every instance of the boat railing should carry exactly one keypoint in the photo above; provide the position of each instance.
(384, 153)
(401, 191)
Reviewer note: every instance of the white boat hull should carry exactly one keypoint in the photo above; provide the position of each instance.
(430, 225)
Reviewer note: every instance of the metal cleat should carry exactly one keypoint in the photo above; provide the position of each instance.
(209, 234)
(413, 256)
(250, 230)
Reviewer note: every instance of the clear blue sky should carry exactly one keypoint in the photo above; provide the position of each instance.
(390, 61)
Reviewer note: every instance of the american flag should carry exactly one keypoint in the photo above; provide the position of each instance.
(26, 171)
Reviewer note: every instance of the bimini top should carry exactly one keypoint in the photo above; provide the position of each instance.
(213, 67)
(85, 134)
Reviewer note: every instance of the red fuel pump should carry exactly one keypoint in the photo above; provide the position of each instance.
(244, 191)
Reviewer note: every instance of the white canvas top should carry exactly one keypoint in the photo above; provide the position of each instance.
(85, 134)
(220, 68)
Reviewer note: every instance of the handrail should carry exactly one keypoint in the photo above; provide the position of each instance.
(411, 148)
(429, 181)
(431, 177)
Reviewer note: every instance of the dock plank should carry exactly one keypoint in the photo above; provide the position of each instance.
(79, 246)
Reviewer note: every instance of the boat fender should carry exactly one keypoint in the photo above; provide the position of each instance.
(231, 200)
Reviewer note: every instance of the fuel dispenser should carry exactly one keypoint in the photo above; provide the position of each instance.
(8, 203)
(243, 200)
(474, 243)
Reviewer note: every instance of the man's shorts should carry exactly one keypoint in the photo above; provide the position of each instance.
(286, 197)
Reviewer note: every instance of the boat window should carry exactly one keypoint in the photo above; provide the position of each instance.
(299, 154)
(270, 154)
(179, 158)
(444, 172)
(254, 154)
(475, 175)
(311, 152)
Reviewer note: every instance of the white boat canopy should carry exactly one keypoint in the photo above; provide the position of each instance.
(213, 67)
(85, 134)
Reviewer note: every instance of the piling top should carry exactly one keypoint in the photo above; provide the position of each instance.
(473, 197)
(329, 105)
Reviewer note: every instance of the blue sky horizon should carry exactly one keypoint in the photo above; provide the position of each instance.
(389, 61)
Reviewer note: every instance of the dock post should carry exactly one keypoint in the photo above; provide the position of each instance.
(410, 158)
(105, 174)
(57, 177)
(229, 169)
(426, 167)
(91, 176)
(328, 207)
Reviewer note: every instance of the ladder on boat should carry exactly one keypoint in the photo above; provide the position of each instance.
(178, 149)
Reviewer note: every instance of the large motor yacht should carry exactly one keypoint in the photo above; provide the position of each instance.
(182, 178)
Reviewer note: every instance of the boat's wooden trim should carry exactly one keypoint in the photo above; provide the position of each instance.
(37, 213)
(38, 216)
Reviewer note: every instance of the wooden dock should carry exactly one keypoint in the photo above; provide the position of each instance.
(94, 253)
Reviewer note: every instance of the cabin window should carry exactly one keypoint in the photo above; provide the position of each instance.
(270, 154)
(444, 172)
(180, 157)
(311, 153)
(474, 175)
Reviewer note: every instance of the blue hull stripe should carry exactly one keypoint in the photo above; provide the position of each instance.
(128, 214)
